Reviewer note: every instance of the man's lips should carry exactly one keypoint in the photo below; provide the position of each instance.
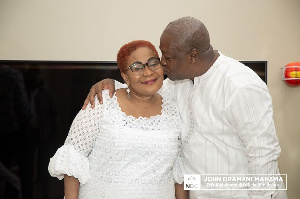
(149, 82)
(165, 71)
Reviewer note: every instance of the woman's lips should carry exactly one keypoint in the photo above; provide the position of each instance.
(149, 82)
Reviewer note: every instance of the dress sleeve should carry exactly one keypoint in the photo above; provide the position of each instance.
(179, 170)
(72, 158)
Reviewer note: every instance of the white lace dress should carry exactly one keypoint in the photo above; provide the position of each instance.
(117, 156)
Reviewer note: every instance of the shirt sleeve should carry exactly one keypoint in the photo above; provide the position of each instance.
(168, 89)
(72, 157)
(251, 113)
(119, 85)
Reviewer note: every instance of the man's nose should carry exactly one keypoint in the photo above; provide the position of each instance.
(163, 61)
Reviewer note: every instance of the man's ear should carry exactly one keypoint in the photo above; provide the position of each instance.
(126, 78)
(194, 54)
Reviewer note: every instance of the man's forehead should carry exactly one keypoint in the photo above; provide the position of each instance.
(164, 43)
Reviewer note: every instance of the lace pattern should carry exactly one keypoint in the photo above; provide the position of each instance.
(154, 123)
(120, 156)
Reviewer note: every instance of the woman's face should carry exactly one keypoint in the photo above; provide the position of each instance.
(149, 81)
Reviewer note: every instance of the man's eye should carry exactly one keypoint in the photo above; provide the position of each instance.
(167, 58)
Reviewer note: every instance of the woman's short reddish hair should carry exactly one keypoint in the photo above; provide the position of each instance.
(127, 49)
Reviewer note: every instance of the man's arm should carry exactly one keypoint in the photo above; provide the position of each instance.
(112, 85)
(97, 89)
(251, 113)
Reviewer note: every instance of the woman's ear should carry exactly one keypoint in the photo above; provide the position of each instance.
(126, 78)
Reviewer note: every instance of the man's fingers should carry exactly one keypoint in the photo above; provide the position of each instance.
(99, 95)
(98, 91)
(92, 92)
(91, 96)
(111, 88)
(86, 102)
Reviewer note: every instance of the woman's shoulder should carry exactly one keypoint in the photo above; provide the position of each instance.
(109, 102)
(106, 98)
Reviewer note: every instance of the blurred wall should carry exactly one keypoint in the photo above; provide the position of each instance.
(94, 30)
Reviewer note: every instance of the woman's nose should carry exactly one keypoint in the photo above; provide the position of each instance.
(147, 71)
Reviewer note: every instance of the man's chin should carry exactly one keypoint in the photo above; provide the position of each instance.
(171, 77)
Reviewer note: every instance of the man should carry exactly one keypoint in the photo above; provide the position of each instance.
(225, 107)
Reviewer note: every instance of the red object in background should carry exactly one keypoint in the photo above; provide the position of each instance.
(292, 74)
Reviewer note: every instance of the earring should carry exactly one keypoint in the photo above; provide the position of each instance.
(128, 93)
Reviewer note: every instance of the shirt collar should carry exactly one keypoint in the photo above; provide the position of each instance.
(210, 70)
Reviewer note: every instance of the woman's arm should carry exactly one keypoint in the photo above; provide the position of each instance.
(180, 193)
(71, 187)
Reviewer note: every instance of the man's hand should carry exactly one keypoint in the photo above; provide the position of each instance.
(97, 89)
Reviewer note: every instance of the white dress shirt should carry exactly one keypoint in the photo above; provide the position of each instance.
(229, 129)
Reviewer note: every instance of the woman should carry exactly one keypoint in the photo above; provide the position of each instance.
(127, 146)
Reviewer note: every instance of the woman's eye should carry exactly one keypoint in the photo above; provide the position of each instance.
(138, 67)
